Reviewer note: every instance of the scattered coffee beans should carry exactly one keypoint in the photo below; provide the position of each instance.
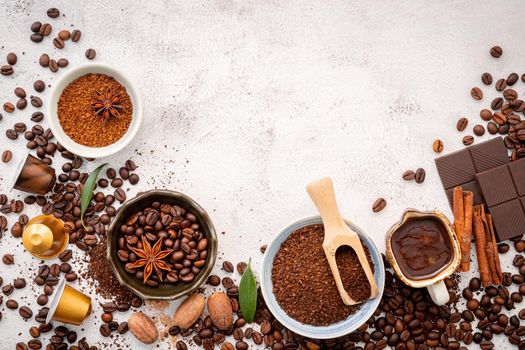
(379, 205)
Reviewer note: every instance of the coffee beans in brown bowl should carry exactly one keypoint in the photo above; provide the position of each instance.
(162, 245)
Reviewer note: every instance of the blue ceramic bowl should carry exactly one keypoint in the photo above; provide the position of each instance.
(322, 332)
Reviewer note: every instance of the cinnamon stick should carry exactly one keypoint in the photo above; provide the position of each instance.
(459, 213)
(466, 237)
(479, 237)
(497, 275)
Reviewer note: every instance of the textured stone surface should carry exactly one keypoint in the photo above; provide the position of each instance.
(247, 101)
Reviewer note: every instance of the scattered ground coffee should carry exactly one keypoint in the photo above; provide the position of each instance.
(91, 126)
(99, 271)
(303, 283)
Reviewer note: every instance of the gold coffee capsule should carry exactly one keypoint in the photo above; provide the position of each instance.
(34, 176)
(69, 305)
(45, 237)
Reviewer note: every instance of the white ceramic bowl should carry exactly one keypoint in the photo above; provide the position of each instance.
(319, 332)
(65, 140)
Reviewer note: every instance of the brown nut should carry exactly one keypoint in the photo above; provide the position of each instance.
(220, 310)
(143, 328)
(189, 311)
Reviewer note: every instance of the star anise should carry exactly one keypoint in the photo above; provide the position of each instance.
(151, 259)
(106, 105)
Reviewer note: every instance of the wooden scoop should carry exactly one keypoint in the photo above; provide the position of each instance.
(337, 234)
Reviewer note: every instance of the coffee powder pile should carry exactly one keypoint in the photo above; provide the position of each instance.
(100, 272)
(79, 120)
(303, 283)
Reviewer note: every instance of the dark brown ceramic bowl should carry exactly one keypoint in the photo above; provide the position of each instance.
(163, 291)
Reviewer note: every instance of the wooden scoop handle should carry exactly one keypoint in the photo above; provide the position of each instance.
(323, 195)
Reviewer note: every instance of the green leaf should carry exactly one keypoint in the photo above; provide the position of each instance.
(87, 191)
(248, 294)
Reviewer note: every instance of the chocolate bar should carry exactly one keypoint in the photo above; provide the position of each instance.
(459, 168)
(503, 189)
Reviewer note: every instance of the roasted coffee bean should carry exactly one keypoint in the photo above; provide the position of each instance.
(485, 114)
(214, 280)
(21, 104)
(474, 284)
(123, 328)
(120, 195)
(467, 293)
(53, 66)
(7, 155)
(65, 255)
(468, 140)
(8, 259)
(39, 86)
(117, 182)
(64, 34)
(241, 267)
(19, 283)
(35, 27)
(478, 130)
(180, 345)
(486, 78)
(130, 165)
(42, 299)
(512, 79)
(59, 43)
(63, 63)
(20, 93)
(124, 173)
(11, 304)
(510, 94)
(420, 175)
(409, 175)
(46, 29)
(53, 12)
(134, 179)
(437, 146)
(462, 124)
(75, 35)
(496, 51)
(44, 60)
(36, 101)
(476, 93)
(20, 127)
(227, 266)
(104, 330)
(90, 54)
(106, 317)
(9, 107)
(36, 37)
(379, 205)
(8, 289)
(501, 84)
(25, 312)
(496, 103)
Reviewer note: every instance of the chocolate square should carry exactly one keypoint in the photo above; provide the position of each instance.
(489, 154)
(517, 170)
(509, 219)
(459, 168)
(455, 169)
(503, 188)
(496, 185)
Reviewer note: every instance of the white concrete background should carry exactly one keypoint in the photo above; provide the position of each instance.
(247, 101)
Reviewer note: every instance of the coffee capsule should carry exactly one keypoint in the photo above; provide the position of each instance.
(34, 176)
(69, 305)
(45, 236)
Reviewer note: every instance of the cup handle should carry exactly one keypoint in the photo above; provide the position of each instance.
(439, 293)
